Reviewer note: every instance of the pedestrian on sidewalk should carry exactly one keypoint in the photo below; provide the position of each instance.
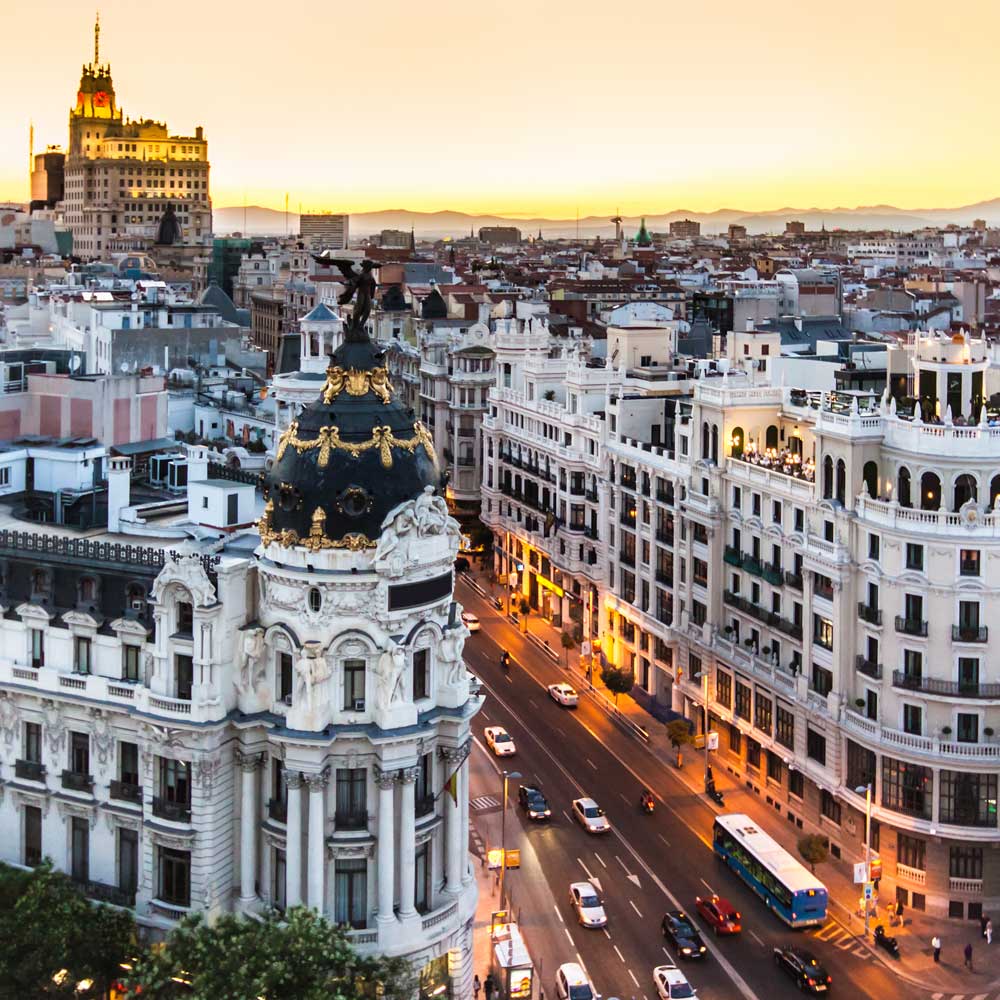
(896, 915)
(476, 987)
(983, 921)
(489, 987)
(989, 932)
(936, 945)
(968, 956)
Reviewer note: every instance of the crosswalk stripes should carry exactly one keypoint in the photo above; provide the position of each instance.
(962, 996)
(485, 802)
(834, 934)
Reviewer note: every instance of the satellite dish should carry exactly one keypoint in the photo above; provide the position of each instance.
(124, 368)
(74, 363)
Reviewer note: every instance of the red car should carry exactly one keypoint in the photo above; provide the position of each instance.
(719, 914)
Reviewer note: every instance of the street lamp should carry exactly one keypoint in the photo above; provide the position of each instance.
(708, 767)
(867, 789)
(507, 775)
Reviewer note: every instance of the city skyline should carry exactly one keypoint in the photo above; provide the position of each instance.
(546, 121)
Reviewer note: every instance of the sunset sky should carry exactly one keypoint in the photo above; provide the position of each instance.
(536, 106)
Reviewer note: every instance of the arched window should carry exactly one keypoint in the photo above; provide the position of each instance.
(930, 491)
(704, 440)
(903, 487)
(870, 476)
(827, 478)
(994, 490)
(715, 444)
(771, 437)
(737, 442)
(315, 599)
(841, 481)
(795, 445)
(966, 489)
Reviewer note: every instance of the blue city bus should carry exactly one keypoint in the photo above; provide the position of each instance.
(788, 889)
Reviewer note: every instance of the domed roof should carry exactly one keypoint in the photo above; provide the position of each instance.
(350, 458)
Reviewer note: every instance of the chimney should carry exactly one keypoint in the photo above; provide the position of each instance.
(197, 463)
(119, 489)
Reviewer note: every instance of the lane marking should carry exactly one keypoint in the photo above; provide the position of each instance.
(622, 797)
(634, 879)
(533, 703)
(606, 934)
(591, 763)
(757, 939)
(622, 863)
(667, 953)
(566, 814)
(570, 936)
(599, 858)
(737, 980)
(634, 980)
(634, 907)
(707, 886)
(579, 961)
(585, 868)
(558, 914)
(664, 839)
(618, 953)
(482, 712)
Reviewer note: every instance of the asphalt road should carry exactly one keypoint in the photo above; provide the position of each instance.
(647, 864)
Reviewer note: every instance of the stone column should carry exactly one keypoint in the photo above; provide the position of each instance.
(248, 763)
(386, 781)
(454, 759)
(293, 840)
(407, 842)
(463, 802)
(316, 851)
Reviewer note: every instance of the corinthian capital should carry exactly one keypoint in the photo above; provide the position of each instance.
(248, 761)
(317, 780)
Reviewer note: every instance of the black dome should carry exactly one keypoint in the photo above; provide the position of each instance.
(434, 306)
(349, 459)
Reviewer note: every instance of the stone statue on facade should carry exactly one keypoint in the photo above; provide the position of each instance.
(390, 672)
(360, 285)
(450, 652)
(253, 651)
(311, 671)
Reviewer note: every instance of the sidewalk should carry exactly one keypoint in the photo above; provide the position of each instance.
(915, 964)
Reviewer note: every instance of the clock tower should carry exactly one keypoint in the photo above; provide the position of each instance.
(95, 104)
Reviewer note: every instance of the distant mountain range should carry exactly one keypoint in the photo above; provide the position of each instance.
(258, 221)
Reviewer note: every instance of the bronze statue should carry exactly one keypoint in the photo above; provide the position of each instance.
(361, 283)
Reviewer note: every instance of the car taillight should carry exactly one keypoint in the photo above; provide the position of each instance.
(811, 982)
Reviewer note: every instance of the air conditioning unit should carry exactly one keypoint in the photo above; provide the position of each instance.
(359, 704)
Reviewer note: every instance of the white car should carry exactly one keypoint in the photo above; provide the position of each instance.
(564, 694)
(572, 983)
(587, 904)
(499, 741)
(671, 984)
(470, 621)
(590, 816)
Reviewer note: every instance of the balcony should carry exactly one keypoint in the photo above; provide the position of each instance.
(76, 781)
(793, 580)
(732, 556)
(969, 633)
(951, 689)
(871, 615)
(127, 791)
(103, 893)
(30, 770)
(911, 626)
(277, 809)
(591, 495)
(424, 806)
(752, 565)
(772, 573)
(763, 615)
(868, 668)
(355, 819)
(177, 812)
(970, 886)
(915, 875)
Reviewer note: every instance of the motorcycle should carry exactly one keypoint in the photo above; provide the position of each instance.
(884, 941)
(713, 793)
(505, 661)
(647, 804)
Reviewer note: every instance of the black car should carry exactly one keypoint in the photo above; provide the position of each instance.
(806, 972)
(677, 928)
(533, 802)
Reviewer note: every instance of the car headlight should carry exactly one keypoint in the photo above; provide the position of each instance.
(685, 951)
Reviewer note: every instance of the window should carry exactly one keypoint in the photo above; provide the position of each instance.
(911, 851)
(128, 860)
(175, 781)
(184, 671)
(79, 753)
(914, 556)
(822, 632)
(421, 680)
(33, 742)
(776, 511)
(967, 727)
(968, 798)
(284, 677)
(350, 889)
(800, 519)
(829, 807)
(965, 862)
(37, 648)
(913, 666)
(774, 767)
(796, 784)
(185, 619)
(968, 674)
(913, 719)
(822, 680)
(79, 849)
(968, 562)
(785, 732)
(32, 836)
(735, 739)
(128, 763)
(422, 877)
(816, 745)
(874, 546)
(174, 877)
(860, 766)
(130, 662)
(743, 695)
(762, 713)
(906, 788)
(354, 685)
(724, 688)
(81, 654)
(753, 753)
(352, 798)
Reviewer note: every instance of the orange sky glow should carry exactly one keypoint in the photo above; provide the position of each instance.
(536, 108)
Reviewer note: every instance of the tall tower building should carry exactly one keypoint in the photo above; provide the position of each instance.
(130, 184)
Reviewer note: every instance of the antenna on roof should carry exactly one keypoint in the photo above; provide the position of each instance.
(97, 39)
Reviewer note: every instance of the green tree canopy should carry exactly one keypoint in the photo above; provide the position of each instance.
(813, 849)
(679, 733)
(50, 929)
(617, 681)
(298, 954)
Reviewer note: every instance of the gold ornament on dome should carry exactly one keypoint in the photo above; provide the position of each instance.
(357, 383)
(289, 537)
(328, 439)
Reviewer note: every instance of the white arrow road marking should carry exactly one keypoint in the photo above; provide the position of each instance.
(634, 879)
(634, 907)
